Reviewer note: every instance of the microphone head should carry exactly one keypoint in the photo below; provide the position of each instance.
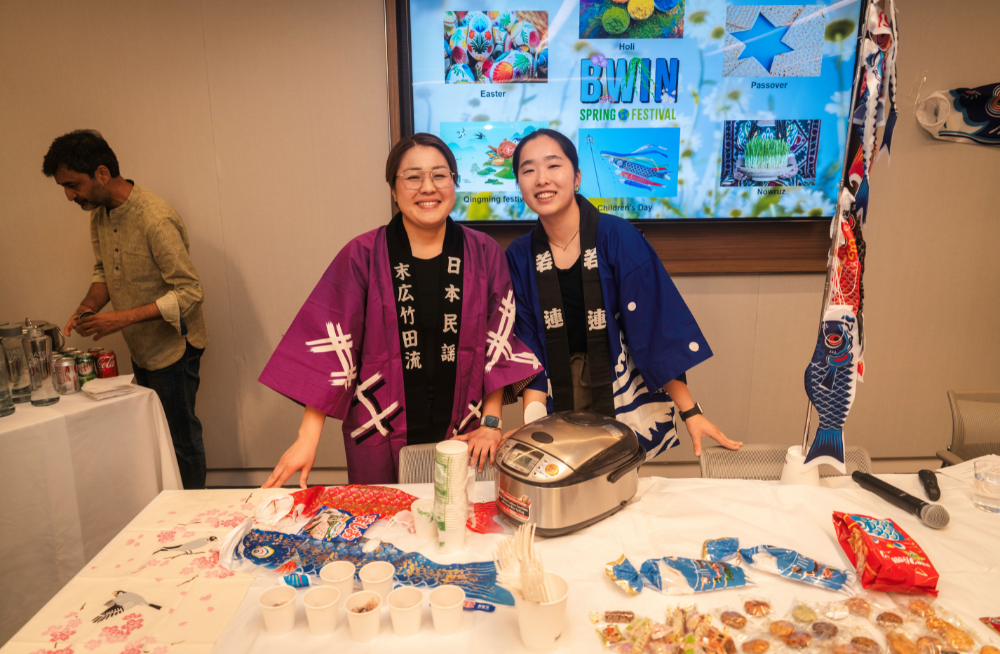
(935, 516)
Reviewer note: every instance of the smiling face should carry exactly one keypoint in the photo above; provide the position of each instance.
(428, 206)
(88, 192)
(546, 177)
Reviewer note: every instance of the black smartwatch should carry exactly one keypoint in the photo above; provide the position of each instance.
(690, 413)
(492, 422)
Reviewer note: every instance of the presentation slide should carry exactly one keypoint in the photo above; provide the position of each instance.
(691, 109)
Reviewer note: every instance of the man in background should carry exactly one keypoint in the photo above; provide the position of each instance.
(144, 269)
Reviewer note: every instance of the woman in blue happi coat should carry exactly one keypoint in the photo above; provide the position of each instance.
(597, 307)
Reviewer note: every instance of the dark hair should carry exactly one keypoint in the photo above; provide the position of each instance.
(567, 147)
(408, 143)
(82, 151)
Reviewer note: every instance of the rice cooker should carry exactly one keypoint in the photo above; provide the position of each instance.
(566, 471)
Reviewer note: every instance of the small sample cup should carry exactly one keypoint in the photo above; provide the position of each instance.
(365, 623)
(278, 607)
(321, 604)
(446, 609)
(406, 610)
(377, 576)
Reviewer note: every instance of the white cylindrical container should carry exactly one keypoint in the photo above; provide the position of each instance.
(364, 625)
(423, 519)
(406, 610)
(321, 604)
(541, 624)
(340, 575)
(278, 608)
(377, 576)
(793, 473)
(446, 609)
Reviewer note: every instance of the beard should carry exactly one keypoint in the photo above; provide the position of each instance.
(100, 196)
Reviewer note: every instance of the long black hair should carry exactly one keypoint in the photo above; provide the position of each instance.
(564, 143)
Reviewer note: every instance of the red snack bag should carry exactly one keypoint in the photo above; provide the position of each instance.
(884, 557)
(992, 623)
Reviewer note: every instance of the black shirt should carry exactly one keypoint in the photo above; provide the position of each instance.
(574, 309)
(426, 276)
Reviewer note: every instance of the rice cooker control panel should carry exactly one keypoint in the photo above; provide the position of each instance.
(531, 463)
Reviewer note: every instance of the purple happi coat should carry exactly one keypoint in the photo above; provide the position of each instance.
(341, 354)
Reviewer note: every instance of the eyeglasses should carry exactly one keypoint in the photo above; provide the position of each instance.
(413, 179)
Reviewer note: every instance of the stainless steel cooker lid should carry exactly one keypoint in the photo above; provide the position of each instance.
(578, 438)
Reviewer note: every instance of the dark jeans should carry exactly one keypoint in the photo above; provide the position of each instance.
(177, 386)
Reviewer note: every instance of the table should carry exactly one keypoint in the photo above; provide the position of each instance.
(204, 606)
(74, 474)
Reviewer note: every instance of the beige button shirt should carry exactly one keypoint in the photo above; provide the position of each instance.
(142, 255)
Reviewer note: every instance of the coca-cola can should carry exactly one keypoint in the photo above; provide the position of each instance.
(66, 380)
(94, 351)
(107, 365)
(85, 368)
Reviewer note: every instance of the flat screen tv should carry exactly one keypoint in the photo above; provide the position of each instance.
(680, 109)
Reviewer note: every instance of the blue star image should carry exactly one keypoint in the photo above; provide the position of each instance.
(763, 42)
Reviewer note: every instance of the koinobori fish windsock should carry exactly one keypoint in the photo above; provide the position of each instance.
(831, 381)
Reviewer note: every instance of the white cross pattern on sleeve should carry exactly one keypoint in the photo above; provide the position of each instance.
(407, 314)
(596, 319)
(473, 411)
(413, 360)
(339, 342)
(543, 262)
(402, 271)
(404, 293)
(450, 323)
(410, 338)
(447, 352)
(590, 259)
(553, 318)
(499, 341)
(377, 418)
(454, 265)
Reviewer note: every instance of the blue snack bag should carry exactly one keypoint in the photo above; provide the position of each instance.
(722, 549)
(624, 574)
(679, 576)
(792, 565)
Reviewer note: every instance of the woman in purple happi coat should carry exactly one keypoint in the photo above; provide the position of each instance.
(408, 336)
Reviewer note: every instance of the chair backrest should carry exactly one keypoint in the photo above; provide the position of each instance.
(416, 465)
(764, 462)
(975, 423)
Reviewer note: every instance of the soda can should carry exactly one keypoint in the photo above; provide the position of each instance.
(107, 365)
(66, 379)
(85, 368)
(95, 351)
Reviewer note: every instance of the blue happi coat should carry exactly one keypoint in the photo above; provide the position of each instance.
(653, 338)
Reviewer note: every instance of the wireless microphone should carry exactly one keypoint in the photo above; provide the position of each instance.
(934, 516)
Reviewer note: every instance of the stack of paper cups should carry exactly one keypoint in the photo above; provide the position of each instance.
(451, 500)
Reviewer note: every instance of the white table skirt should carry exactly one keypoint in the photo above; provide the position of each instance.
(74, 474)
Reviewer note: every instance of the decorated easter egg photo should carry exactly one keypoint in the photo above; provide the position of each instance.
(496, 47)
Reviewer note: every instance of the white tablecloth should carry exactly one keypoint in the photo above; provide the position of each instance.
(72, 475)
(675, 517)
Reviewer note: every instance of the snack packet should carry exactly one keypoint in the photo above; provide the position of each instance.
(992, 623)
(332, 524)
(792, 565)
(884, 556)
(679, 576)
(624, 574)
(721, 549)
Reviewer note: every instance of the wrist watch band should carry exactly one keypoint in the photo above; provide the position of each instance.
(492, 422)
(690, 413)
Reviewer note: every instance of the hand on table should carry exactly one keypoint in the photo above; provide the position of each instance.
(700, 427)
(483, 445)
(100, 325)
(300, 456)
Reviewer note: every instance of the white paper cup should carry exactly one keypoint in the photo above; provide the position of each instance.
(406, 610)
(321, 604)
(364, 626)
(451, 541)
(423, 518)
(278, 607)
(446, 609)
(793, 474)
(377, 576)
(542, 624)
(340, 575)
(452, 448)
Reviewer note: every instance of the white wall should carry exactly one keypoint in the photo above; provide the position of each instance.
(265, 125)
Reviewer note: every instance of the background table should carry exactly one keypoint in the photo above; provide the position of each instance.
(72, 475)
(204, 606)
